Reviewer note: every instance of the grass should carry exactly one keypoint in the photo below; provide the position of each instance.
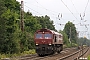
(89, 57)
(17, 55)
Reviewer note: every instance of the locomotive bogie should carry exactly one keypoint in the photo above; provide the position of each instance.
(44, 49)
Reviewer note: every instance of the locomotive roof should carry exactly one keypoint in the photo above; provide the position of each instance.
(55, 32)
(52, 31)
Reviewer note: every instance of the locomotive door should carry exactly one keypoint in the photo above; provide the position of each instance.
(55, 40)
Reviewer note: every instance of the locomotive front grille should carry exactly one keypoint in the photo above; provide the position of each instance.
(43, 48)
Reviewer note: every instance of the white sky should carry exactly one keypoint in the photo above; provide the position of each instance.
(70, 10)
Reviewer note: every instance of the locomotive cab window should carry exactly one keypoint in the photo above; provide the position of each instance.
(38, 36)
(47, 36)
(59, 36)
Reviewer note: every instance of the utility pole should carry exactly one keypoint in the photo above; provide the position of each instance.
(70, 36)
(22, 16)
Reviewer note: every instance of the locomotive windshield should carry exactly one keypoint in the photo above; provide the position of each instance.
(39, 36)
(47, 36)
(43, 36)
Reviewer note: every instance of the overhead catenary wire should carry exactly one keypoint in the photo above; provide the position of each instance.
(33, 10)
(53, 13)
(37, 11)
(86, 6)
(76, 10)
(74, 7)
(84, 11)
(69, 9)
(46, 8)
(60, 18)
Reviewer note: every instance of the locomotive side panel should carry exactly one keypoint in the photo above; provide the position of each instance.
(57, 39)
(58, 42)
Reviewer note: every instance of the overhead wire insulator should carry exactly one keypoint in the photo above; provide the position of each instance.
(81, 18)
(84, 15)
(58, 15)
(61, 15)
(85, 20)
(60, 24)
(85, 26)
(80, 15)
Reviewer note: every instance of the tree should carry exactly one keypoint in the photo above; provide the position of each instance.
(11, 44)
(12, 39)
(9, 37)
(45, 22)
(73, 32)
(2, 25)
(65, 38)
(83, 41)
(13, 5)
(31, 24)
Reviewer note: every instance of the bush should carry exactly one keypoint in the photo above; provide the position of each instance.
(89, 57)
(19, 54)
(3, 56)
(29, 52)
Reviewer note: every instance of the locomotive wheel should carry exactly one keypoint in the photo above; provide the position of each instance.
(58, 51)
(52, 52)
(41, 55)
(61, 48)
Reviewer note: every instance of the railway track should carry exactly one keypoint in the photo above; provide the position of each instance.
(36, 57)
(76, 55)
(28, 57)
(66, 54)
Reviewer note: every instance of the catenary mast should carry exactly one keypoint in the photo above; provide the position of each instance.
(22, 16)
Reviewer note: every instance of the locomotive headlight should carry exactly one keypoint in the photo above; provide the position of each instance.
(36, 44)
(49, 44)
(43, 32)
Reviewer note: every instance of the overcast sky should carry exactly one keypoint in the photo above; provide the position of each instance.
(69, 9)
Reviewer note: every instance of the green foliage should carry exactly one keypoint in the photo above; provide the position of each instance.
(31, 51)
(3, 56)
(9, 33)
(45, 22)
(83, 41)
(65, 37)
(12, 39)
(13, 5)
(31, 24)
(66, 40)
(26, 41)
(2, 25)
(67, 28)
(89, 57)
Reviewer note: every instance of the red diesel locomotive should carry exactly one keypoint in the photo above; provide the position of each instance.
(48, 42)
